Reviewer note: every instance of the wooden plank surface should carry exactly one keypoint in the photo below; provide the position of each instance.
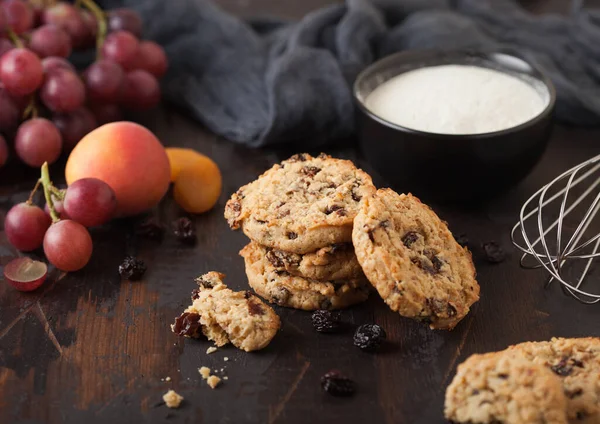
(88, 348)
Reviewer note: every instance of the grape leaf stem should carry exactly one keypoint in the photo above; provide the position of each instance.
(14, 38)
(102, 28)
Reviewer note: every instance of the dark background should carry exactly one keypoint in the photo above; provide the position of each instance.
(88, 348)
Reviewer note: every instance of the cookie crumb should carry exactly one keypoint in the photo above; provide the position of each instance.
(172, 399)
(167, 378)
(226, 359)
(204, 372)
(213, 381)
(211, 349)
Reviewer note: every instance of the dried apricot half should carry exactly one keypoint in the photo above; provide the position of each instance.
(179, 158)
(198, 185)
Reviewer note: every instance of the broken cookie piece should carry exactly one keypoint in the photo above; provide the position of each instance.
(172, 399)
(224, 316)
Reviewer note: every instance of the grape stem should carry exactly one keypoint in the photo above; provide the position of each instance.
(48, 188)
(14, 38)
(31, 110)
(37, 185)
(101, 19)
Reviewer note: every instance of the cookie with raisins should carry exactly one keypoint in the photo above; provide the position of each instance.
(577, 363)
(411, 258)
(335, 262)
(284, 289)
(302, 204)
(501, 388)
(225, 316)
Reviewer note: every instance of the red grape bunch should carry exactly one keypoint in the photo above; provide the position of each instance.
(47, 105)
(61, 229)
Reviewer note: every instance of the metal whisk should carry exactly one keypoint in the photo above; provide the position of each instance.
(549, 240)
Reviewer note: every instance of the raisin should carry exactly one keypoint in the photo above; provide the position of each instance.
(562, 368)
(371, 236)
(337, 384)
(281, 296)
(184, 230)
(187, 324)
(325, 321)
(132, 269)
(435, 261)
(151, 229)
(300, 157)
(207, 284)
(335, 208)
(384, 224)
(463, 240)
(573, 394)
(503, 376)
(369, 337)
(292, 235)
(323, 155)
(260, 221)
(338, 247)
(254, 308)
(577, 363)
(311, 171)
(283, 214)
(494, 252)
(410, 238)
(237, 207)
(195, 294)
(441, 308)
(355, 196)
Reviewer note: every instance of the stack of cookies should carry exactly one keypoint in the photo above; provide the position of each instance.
(323, 236)
(299, 216)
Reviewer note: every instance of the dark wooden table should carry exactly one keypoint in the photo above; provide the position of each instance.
(88, 348)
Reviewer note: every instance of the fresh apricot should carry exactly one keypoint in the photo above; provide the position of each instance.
(129, 158)
(198, 185)
(179, 158)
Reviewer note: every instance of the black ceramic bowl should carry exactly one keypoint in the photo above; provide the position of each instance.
(452, 167)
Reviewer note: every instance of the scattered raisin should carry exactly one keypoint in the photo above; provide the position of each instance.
(369, 337)
(410, 238)
(494, 252)
(337, 384)
(335, 208)
(325, 321)
(292, 235)
(187, 324)
(311, 171)
(463, 240)
(151, 229)
(184, 230)
(132, 269)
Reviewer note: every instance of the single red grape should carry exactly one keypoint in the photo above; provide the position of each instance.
(38, 141)
(21, 71)
(90, 201)
(68, 245)
(5, 45)
(3, 151)
(51, 64)
(141, 91)
(73, 126)
(68, 18)
(62, 91)
(25, 274)
(25, 226)
(152, 58)
(19, 15)
(104, 80)
(50, 40)
(106, 112)
(121, 47)
(9, 111)
(125, 20)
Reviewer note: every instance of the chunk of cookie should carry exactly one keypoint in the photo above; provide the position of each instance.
(413, 261)
(500, 388)
(224, 316)
(301, 205)
(577, 363)
(284, 289)
(335, 262)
